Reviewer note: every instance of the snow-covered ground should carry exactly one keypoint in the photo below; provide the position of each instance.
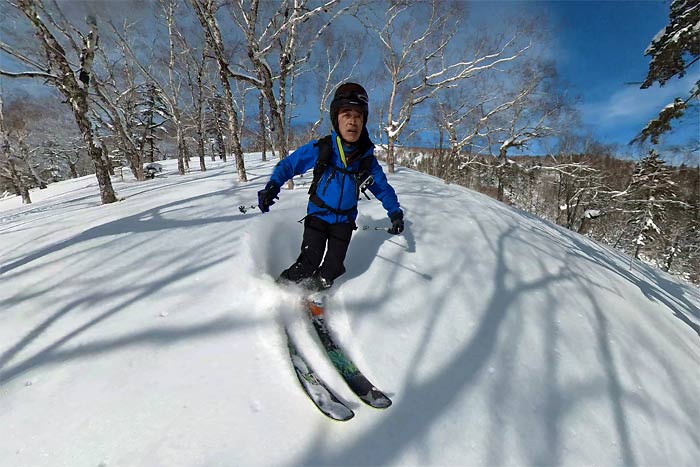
(149, 332)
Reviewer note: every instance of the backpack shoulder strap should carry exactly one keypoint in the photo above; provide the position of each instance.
(366, 165)
(364, 175)
(325, 155)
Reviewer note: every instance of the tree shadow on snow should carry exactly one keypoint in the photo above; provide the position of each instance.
(434, 396)
(98, 298)
(653, 283)
(425, 402)
(58, 351)
(151, 220)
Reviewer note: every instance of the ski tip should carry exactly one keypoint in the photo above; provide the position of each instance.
(337, 411)
(382, 403)
(376, 399)
(347, 417)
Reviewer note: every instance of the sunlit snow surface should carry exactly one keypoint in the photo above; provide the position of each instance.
(149, 332)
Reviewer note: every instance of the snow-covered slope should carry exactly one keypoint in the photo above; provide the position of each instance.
(148, 332)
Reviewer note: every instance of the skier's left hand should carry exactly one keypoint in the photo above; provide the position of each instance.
(396, 223)
(267, 197)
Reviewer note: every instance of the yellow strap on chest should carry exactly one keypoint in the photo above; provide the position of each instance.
(342, 153)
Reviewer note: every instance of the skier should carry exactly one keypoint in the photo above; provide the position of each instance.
(344, 166)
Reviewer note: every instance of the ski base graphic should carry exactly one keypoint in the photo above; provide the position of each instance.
(321, 395)
(354, 378)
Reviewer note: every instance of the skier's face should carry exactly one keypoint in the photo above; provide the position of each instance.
(350, 124)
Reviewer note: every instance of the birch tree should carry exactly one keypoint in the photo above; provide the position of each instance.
(200, 90)
(465, 115)
(338, 66)
(66, 157)
(169, 88)
(8, 162)
(262, 127)
(52, 62)
(530, 115)
(579, 183)
(27, 156)
(115, 110)
(206, 13)
(279, 39)
(423, 56)
(216, 122)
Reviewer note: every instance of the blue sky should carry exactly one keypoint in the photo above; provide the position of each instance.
(601, 44)
(600, 50)
(598, 47)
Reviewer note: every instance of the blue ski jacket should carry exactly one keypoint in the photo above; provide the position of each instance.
(338, 185)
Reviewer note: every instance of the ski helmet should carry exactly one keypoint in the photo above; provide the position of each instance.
(349, 95)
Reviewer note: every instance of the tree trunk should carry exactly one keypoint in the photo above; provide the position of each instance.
(233, 129)
(672, 253)
(75, 91)
(637, 249)
(151, 149)
(207, 17)
(135, 164)
(221, 145)
(201, 148)
(80, 109)
(19, 185)
(501, 169)
(180, 152)
(202, 155)
(186, 155)
(105, 158)
(263, 131)
(390, 154)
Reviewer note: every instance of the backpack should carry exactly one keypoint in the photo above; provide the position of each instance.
(363, 177)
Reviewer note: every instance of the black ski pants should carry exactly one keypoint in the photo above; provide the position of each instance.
(321, 237)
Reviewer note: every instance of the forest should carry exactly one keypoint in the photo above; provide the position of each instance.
(110, 87)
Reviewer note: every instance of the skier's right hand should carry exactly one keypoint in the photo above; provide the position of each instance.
(267, 197)
(396, 223)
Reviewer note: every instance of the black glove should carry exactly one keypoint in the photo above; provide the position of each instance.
(267, 197)
(396, 223)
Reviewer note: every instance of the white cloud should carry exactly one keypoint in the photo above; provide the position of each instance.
(632, 104)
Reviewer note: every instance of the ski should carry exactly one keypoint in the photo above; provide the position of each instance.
(357, 382)
(315, 388)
